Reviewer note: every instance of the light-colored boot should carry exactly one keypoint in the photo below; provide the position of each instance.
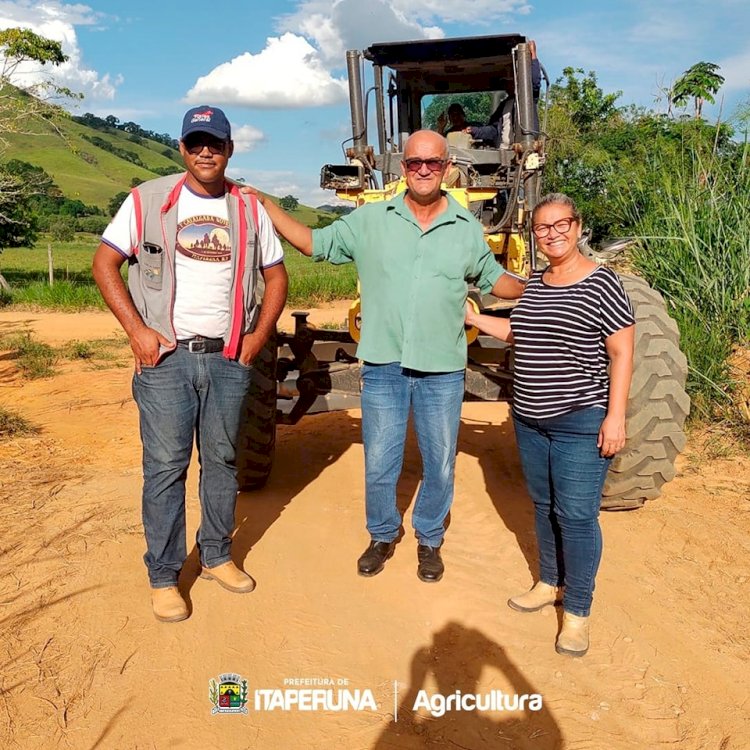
(540, 596)
(168, 605)
(574, 636)
(230, 577)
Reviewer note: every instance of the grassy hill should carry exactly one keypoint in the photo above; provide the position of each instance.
(86, 169)
(83, 170)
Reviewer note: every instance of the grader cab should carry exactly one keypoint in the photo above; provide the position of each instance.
(499, 182)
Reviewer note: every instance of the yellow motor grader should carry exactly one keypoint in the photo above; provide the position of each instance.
(499, 182)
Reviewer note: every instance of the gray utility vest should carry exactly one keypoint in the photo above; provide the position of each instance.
(151, 274)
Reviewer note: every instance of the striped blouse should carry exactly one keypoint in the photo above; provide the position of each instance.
(561, 362)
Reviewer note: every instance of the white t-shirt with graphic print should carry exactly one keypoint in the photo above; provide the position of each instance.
(203, 267)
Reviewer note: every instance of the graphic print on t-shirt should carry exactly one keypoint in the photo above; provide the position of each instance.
(204, 238)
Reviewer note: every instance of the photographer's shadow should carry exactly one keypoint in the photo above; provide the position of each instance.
(456, 660)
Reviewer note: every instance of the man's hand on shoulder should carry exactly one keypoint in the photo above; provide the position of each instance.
(250, 190)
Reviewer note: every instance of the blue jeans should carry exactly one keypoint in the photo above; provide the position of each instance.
(189, 396)
(389, 393)
(565, 475)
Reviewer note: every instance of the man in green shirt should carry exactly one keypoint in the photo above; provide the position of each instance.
(415, 256)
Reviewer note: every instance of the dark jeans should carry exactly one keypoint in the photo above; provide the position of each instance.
(565, 474)
(188, 396)
(389, 393)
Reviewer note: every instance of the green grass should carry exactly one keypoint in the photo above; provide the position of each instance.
(693, 220)
(82, 170)
(34, 359)
(13, 424)
(25, 269)
(97, 349)
(311, 283)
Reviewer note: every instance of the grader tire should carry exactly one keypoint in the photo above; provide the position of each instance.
(257, 439)
(657, 405)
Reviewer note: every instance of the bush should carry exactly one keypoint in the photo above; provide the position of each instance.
(92, 224)
(13, 424)
(692, 216)
(62, 229)
(35, 359)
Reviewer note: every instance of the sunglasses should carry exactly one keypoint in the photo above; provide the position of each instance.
(415, 165)
(196, 145)
(561, 226)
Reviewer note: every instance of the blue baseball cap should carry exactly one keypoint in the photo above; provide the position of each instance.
(205, 119)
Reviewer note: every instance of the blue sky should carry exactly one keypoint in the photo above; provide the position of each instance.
(276, 68)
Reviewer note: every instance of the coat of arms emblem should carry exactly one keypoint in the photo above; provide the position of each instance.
(228, 694)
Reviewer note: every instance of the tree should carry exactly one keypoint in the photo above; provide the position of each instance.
(289, 203)
(699, 82)
(20, 105)
(18, 225)
(115, 202)
(19, 108)
(63, 229)
(581, 98)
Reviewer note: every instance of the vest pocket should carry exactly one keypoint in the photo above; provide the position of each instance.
(152, 266)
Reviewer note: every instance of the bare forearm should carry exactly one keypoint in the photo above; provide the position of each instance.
(499, 328)
(509, 286)
(294, 232)
(106, 273)
(620, 348)
(620, 374)
(274, 299)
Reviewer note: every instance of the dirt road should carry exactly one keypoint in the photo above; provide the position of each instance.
(85, 664)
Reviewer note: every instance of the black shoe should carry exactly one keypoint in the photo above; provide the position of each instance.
(372, 560)
(430, 569)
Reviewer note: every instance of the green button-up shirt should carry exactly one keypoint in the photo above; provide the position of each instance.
(413, 282)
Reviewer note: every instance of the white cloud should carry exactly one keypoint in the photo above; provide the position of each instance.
(296, 68)
(736, 72)
(338, 25)
(246, 138)
(287, 73)
(57, 21)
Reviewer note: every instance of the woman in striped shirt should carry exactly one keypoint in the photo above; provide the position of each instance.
(573, 333)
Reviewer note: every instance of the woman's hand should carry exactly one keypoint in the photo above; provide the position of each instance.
(470, 314)
(611, 436)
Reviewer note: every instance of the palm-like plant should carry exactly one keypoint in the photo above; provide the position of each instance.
(699, 82)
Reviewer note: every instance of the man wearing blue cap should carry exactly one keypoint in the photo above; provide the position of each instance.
(195, 247)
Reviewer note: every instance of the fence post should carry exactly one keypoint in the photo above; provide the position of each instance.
(50, 264)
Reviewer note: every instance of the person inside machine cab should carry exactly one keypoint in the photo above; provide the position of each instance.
(454, 122)
(500, 128)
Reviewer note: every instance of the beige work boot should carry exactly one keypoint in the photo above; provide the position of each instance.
(168, 605)
(230, 577)
(574, 636)
(538, 597)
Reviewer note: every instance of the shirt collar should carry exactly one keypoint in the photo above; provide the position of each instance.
(452, 212)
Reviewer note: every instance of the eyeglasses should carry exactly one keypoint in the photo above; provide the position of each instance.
(561, 226)
(415, 165)
(195, 146)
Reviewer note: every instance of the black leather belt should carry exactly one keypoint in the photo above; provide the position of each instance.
(200, 345)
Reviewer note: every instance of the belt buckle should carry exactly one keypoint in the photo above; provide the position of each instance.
(197, 346)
